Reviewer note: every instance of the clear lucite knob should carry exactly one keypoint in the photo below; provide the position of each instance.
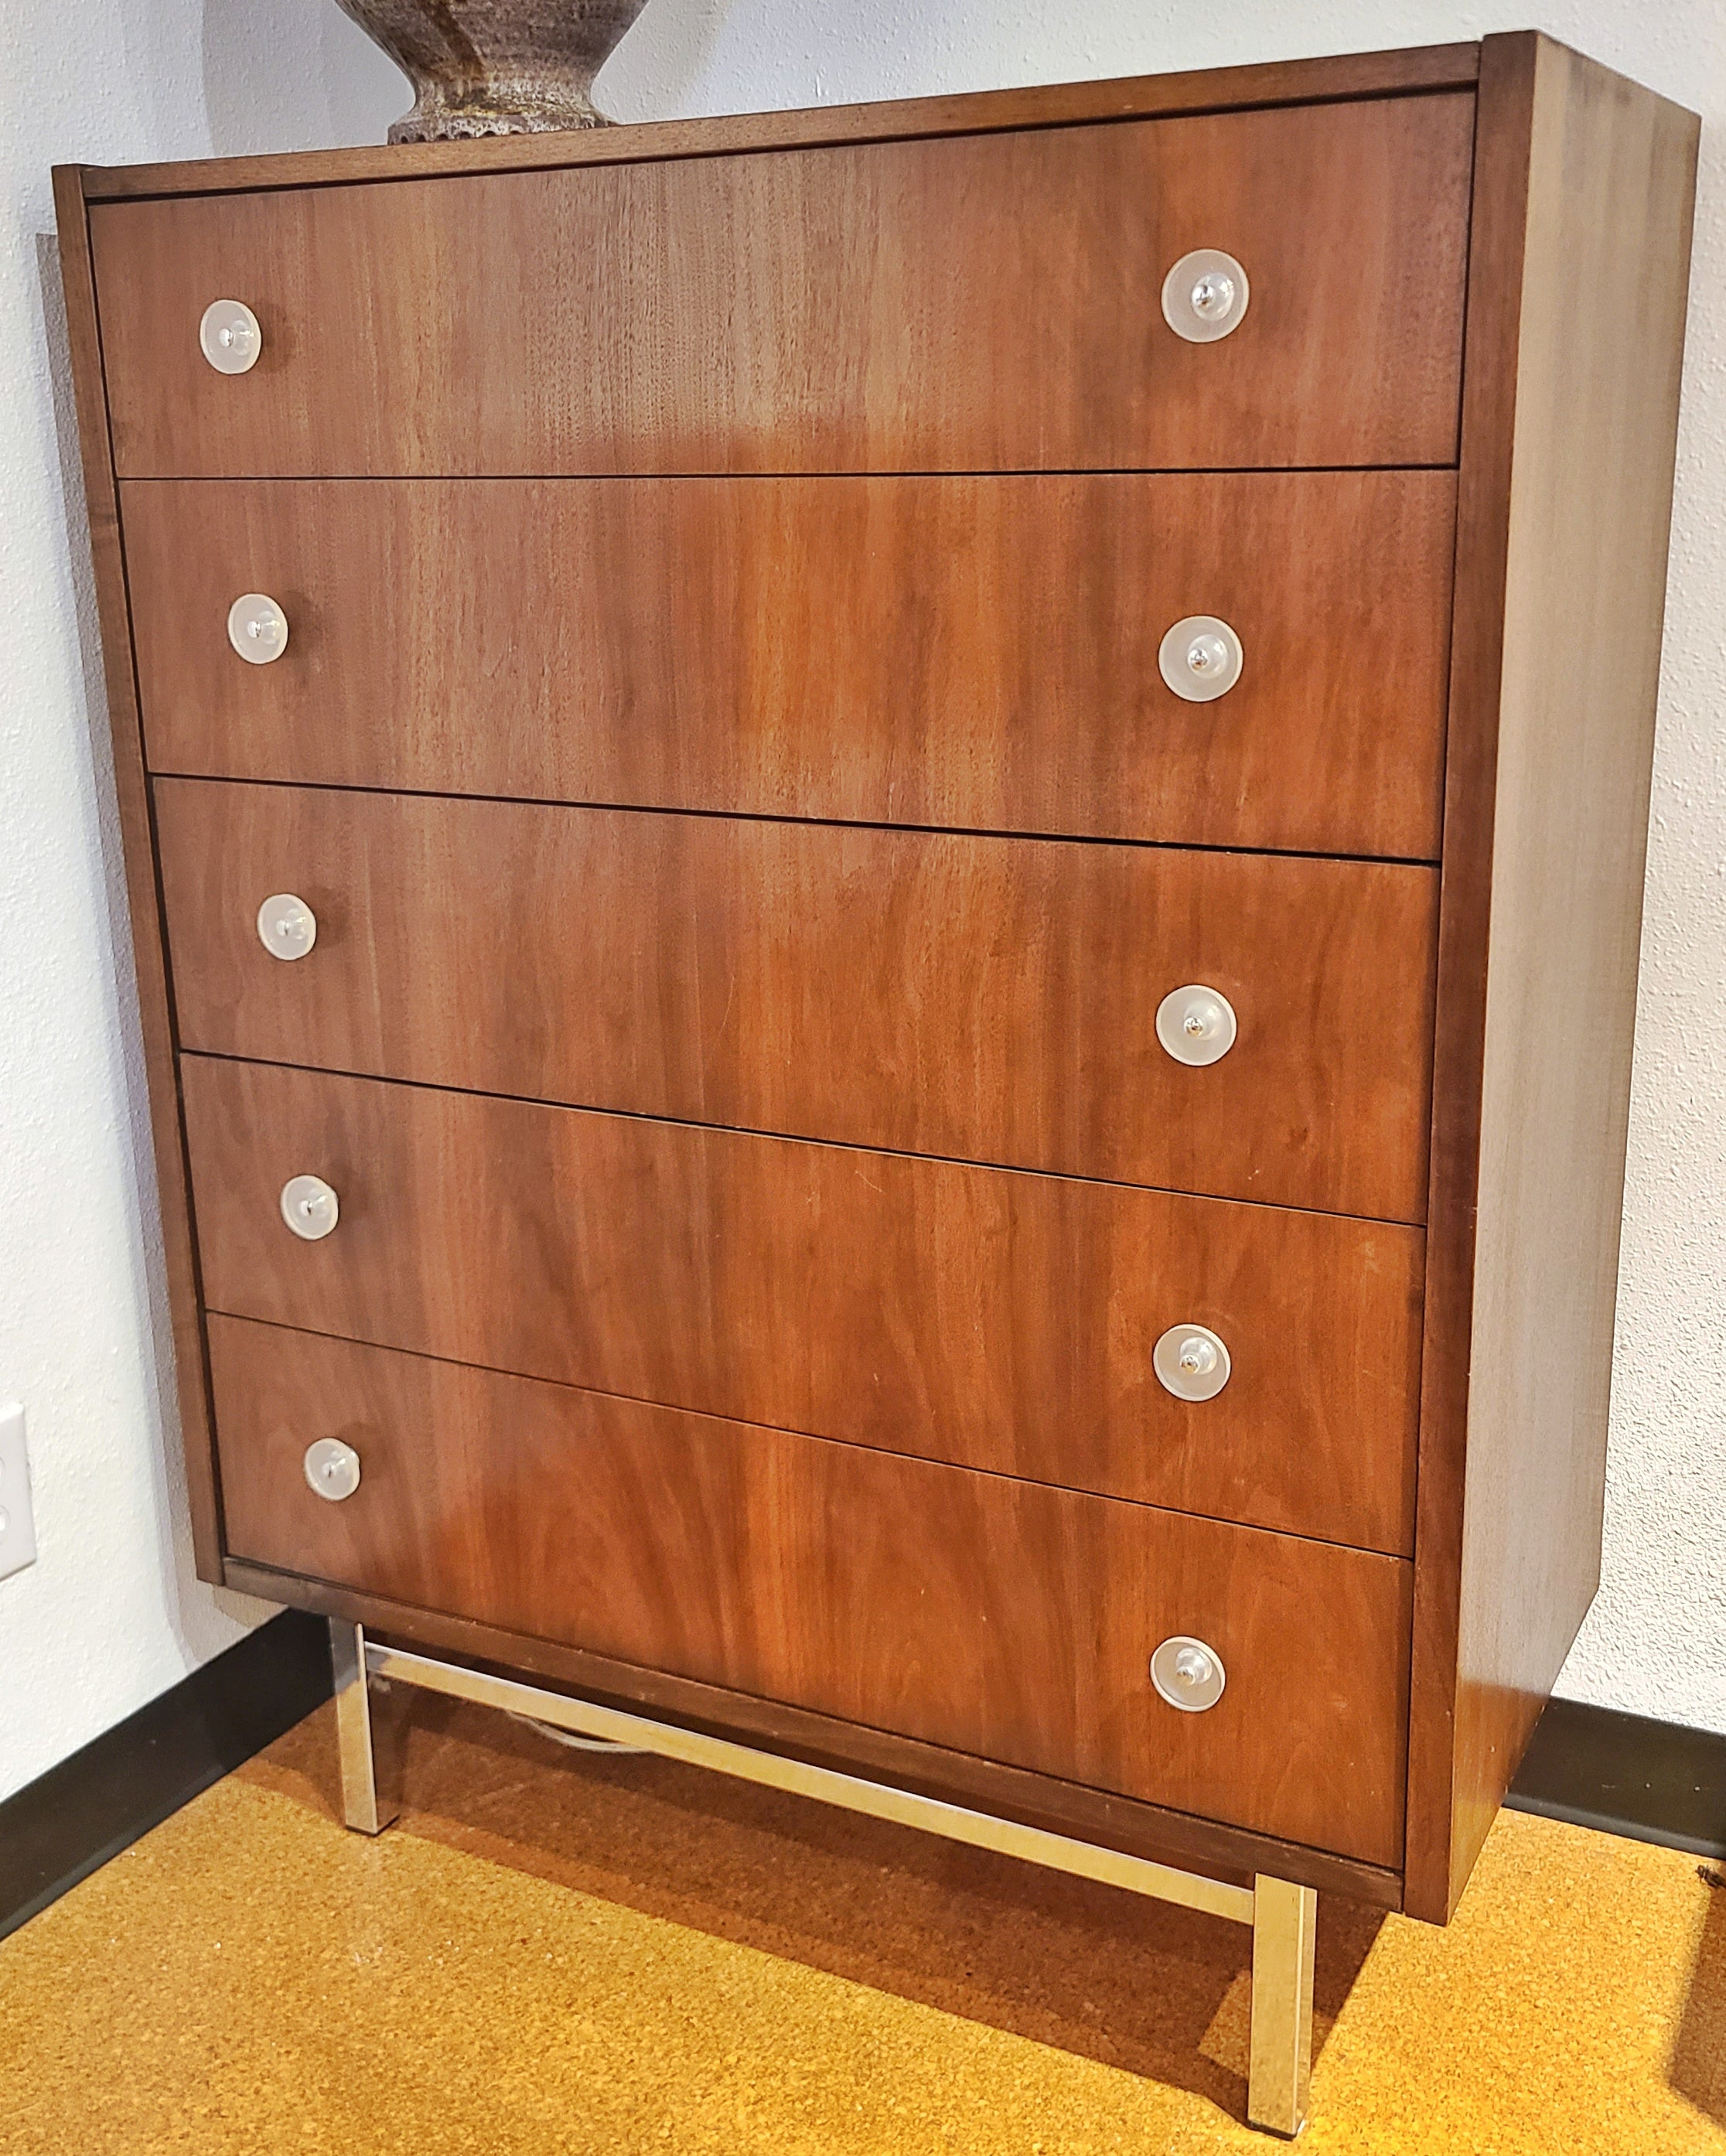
(1214, 295)
(1205, 295)
(332, 1469)
(1196, 1025)
(309, 1207)
(257, 628)
(287, 926)
(1187, 1674)
(230, 337)
(1200, 658)
(1191, 1362)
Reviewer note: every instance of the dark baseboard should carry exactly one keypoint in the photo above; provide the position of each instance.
(58, 1830)
(1653, 1781)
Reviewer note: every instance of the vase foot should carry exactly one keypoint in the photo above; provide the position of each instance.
(474, 126)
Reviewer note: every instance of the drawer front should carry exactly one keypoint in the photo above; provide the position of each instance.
(978, 651)
(981, 303)
(992, 1319)
(996, 1617)
(992, 999)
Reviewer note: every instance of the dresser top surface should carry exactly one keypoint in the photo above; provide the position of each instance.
(1213, 90)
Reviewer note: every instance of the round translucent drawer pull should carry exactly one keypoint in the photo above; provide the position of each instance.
(287, 926)
(257, 628)
(1204, 296)
(1200, 659)
(309, 1207)
(1187, 1674)
(1191, 1362)
(230, 337)
(1196, 1025)
(332, 1469)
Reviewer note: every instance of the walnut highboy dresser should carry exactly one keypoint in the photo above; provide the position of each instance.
(887, 868)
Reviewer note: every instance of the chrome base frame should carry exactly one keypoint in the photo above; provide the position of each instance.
(1282, 1915)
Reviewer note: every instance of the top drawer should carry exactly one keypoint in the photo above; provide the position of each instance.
(975, 303)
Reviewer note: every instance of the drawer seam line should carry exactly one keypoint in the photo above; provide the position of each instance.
(1006, 835)
(794, 1138)
(808, 1436)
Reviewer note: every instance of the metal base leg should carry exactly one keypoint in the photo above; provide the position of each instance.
(1284, 1923)
(1282, 1917)
(360, 1804)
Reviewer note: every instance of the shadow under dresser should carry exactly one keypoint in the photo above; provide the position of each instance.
(886, 867)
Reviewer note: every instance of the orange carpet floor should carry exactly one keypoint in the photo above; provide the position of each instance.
(557, 1952)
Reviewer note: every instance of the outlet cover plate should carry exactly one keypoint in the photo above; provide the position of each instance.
(18, 1523)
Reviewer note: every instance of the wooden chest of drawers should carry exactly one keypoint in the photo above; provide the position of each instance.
(951, 920)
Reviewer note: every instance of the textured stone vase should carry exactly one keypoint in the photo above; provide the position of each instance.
(496, 67)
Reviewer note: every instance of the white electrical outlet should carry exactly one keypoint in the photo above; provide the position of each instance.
(17, 1526)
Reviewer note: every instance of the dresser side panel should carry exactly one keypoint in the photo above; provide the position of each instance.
(1562, 802)
(137, 838)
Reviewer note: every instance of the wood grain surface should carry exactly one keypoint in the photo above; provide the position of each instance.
(1061, 1805)
(968, 1610)
(996, 1320)
(974, 303)
(990, 999)
(978, 652)
(1581, 263)
(1325, 79)
(963, 292)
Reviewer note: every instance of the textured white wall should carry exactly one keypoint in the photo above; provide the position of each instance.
(110, 1614)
